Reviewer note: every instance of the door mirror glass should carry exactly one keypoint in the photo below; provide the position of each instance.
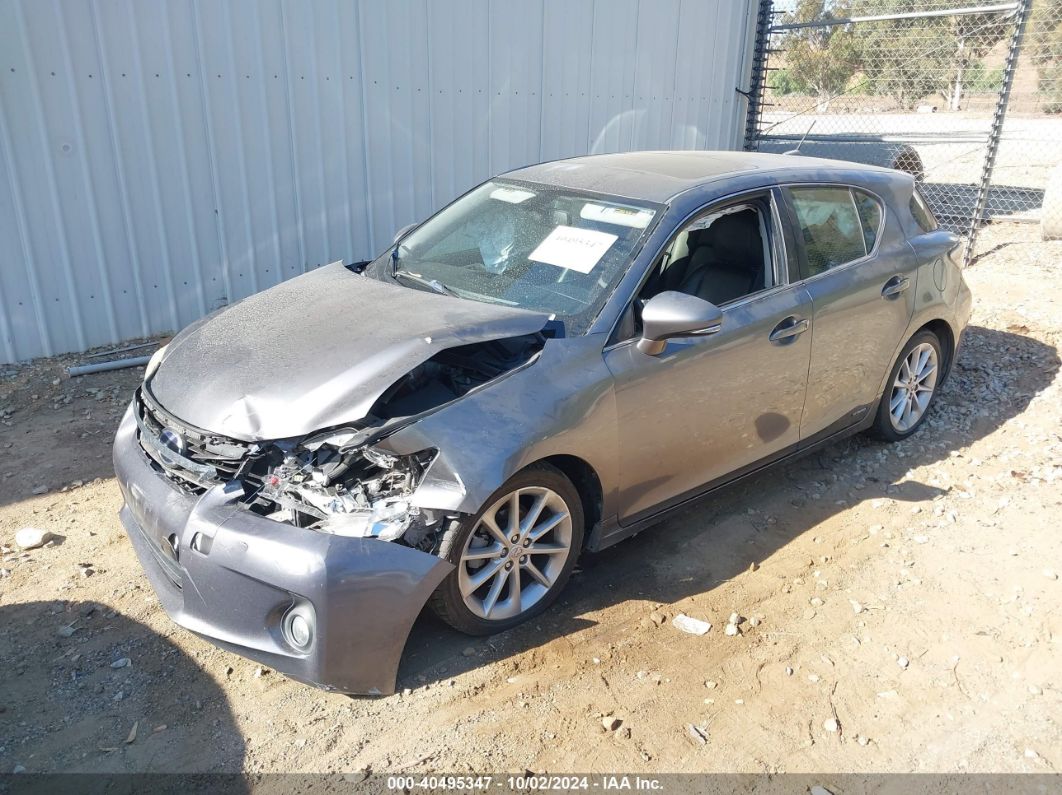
(672, 314)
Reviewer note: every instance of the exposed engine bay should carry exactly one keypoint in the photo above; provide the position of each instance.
(453, 372)
(360, 493)
(335, 481)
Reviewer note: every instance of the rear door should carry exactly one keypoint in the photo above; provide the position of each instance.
(860, 273)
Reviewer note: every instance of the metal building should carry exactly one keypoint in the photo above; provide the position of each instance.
(161, 159)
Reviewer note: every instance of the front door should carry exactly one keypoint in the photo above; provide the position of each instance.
(709, 406)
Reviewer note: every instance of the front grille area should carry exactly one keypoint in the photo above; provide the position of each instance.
(194, 459)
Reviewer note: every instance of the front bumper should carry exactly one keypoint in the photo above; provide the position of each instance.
(231, 576)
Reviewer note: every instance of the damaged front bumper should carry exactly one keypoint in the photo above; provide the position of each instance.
(328, 610)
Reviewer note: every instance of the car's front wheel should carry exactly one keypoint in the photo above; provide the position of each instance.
(911, 388)
(514, 556)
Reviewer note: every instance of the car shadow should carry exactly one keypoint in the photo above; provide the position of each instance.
(87, 690)
(717, 538)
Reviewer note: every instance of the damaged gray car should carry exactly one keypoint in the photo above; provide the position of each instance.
(548, 365)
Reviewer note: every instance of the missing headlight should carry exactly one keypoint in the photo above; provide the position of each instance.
(360, 493)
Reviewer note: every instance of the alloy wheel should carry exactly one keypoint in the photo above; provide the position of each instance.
(913, 388)
(515, 553)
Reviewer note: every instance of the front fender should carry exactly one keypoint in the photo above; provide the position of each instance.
(562, 404)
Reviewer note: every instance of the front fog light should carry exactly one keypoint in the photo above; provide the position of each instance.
(299, 627)
(301, 634)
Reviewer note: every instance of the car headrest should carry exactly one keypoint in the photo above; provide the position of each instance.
(736, 239)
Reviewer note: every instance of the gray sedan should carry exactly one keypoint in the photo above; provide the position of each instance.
(548, 365)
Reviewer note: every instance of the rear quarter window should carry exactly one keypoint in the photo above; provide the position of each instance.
(922, 214)
(870, 215)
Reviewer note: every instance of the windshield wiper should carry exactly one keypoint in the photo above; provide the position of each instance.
(432, 284)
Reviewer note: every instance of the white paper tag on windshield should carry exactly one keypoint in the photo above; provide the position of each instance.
(620, 216)
(573, 248)
(511, 195)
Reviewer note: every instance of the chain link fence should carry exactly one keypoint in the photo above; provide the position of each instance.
(967, 97)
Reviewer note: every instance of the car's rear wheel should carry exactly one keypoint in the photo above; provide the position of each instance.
(911, 387)
(514, 556)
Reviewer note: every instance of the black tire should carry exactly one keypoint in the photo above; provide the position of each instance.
(883, 427)
(447, 601)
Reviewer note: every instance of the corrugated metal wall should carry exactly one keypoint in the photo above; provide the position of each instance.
(161, 159)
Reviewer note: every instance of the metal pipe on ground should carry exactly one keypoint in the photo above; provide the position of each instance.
(126, 349)
(114, 364)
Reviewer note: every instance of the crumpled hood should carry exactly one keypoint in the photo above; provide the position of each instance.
(315, 351)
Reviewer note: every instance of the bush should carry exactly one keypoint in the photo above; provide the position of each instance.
(857, 84)
(1050, 85)
(781, 83)
(983, 81)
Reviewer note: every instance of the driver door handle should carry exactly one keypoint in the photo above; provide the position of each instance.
(894, 286)
(789, 328)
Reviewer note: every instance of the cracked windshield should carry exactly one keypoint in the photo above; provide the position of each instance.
(524, 245)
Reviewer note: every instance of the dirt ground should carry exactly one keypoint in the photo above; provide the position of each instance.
(901, 608)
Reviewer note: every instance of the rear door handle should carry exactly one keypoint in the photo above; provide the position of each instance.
(894, 286)
(789, 328)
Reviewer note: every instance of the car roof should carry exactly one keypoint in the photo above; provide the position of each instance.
(661, 175)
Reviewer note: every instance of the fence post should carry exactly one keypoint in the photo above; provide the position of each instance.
(1021, 15)
(758, 75)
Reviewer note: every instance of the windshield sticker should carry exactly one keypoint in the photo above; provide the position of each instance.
(619, 216)
(573, 248)
(511, 195)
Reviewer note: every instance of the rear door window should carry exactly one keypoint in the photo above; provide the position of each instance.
(831, 228)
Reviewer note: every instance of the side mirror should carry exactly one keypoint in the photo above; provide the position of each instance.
(672, 314)
(401, 233)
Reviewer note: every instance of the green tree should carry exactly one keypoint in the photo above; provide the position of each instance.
(819, 60)
(973, 37)
(908, 59)
(1044, 45)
